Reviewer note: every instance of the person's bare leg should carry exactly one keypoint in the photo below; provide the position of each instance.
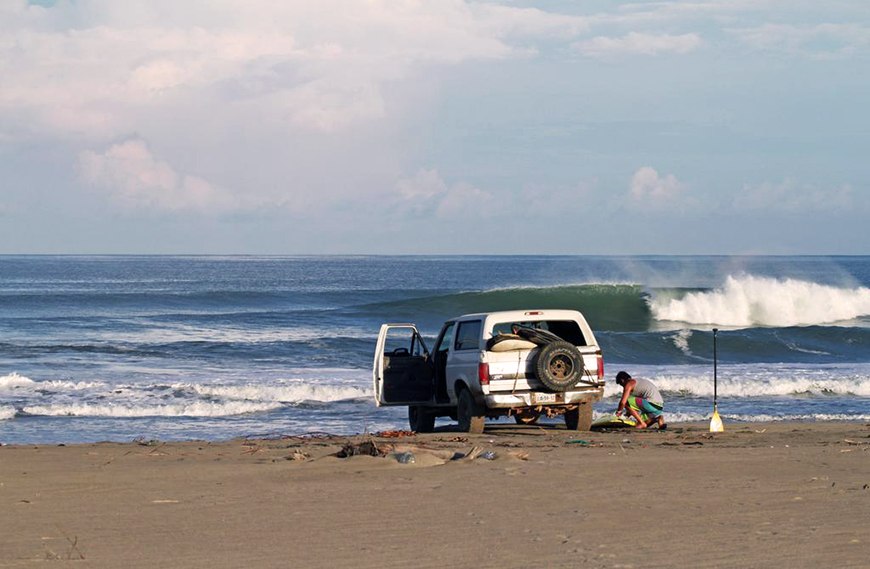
(640, 422)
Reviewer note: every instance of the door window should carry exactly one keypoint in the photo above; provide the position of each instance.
(445, 338)
(403, 341)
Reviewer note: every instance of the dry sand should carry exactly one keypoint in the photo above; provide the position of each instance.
(759, 495)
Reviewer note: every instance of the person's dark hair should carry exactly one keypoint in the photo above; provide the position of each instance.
(622, 376)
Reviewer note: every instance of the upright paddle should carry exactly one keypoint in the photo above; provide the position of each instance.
(716, 425)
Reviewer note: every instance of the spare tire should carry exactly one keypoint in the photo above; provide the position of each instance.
(559, 365)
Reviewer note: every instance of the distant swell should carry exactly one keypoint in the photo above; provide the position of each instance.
(606, 306)
(759, 301)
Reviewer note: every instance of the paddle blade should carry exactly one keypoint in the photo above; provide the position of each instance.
(716, 425)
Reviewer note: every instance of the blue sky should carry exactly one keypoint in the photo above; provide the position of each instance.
(442, 127)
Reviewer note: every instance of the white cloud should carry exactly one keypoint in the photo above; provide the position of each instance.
(648, 186)
(636, 43)
(324, 65)
(427, 194)
(792, 197)
(135, 179)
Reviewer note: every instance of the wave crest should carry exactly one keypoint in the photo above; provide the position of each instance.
(15, 381)
(289, 393)
(748, 300)
(192, 409)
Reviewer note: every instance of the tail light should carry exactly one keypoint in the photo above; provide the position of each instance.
(483, 373)
(600, 367)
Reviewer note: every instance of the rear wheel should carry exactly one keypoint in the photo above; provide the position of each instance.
(579, 419)
(469, 414)
(421, 419)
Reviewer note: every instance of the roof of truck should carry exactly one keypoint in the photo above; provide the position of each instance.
(531, 314)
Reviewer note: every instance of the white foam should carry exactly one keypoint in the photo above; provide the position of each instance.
(192, 409)
(15, 381)
(286, 393)
(794, 417)
(681, 341)
(7, 413)
(761, 384)
(680, 417)
(747, 300)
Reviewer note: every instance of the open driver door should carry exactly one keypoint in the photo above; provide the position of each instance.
(402, 370)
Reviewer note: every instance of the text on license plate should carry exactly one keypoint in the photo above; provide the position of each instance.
(538, 398)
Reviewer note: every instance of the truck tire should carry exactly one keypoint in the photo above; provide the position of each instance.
(469, 413)
(559, 366)
(421, 419)
(579, 419)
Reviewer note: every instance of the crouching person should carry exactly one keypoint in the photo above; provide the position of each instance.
(640, 399)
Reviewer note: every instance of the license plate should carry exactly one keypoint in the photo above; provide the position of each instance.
(538, 398)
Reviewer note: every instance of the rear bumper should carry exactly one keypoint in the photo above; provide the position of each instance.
(512, 400)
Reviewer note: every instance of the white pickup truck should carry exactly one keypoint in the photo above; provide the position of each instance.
(516, 363)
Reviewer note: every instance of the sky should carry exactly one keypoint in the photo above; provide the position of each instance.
(434, 127)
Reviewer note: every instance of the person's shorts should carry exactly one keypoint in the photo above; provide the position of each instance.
(644, 407)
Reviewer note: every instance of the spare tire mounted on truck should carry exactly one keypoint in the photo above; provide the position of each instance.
(559, 365)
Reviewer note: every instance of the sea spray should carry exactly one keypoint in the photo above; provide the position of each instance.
(748, 300)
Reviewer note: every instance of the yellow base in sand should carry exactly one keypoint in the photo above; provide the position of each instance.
(613, 422)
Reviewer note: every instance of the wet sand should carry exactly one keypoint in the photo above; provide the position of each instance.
(758, 495)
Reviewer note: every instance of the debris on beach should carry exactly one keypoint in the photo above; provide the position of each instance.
(404, 457)
(477, 452)
(367, 448)
(395, 434)
(297, 455)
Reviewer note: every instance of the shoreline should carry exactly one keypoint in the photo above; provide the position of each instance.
(791, 494)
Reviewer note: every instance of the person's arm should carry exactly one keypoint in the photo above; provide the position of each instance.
(626, 391)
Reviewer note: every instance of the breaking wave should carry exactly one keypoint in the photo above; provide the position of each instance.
(288, 393)
(15, 381)
(771, 383)
(191, 409)
(55, 398)
(741, 301)
(747, 300)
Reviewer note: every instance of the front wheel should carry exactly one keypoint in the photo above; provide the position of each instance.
(579, 419)
(469, 414)
(421, 419)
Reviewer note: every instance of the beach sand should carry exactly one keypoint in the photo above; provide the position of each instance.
(758, 495)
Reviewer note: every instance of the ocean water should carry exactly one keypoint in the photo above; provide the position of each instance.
(96, 348)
